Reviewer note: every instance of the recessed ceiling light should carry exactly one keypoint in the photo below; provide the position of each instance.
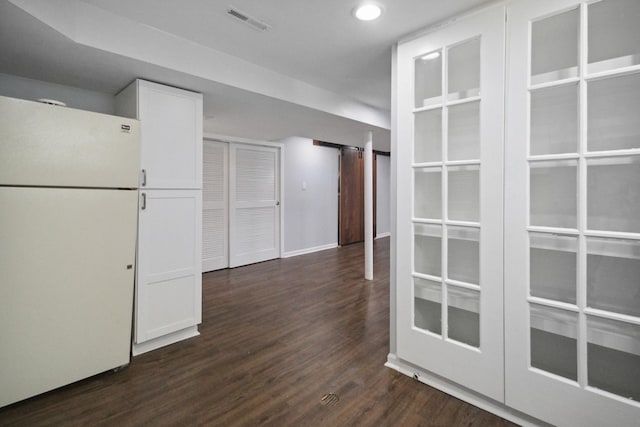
(367, 12)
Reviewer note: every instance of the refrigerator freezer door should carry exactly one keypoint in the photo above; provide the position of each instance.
(45, 145)
(66, 286)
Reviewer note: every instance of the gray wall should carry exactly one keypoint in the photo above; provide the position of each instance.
(383, 203)
(311, 214)
(82, 99)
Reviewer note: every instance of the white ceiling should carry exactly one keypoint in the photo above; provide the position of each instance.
(316, 42)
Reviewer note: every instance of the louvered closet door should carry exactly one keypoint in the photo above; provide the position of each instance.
(449, 268)
(215, 206)
(254, 208)
(572, 258)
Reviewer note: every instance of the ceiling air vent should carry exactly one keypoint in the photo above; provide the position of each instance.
(254, 23)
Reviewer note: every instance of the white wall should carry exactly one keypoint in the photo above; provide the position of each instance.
(383, 203)
(23, 88)
(311, 214)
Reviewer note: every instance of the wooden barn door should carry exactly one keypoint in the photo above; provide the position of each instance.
(351, 205)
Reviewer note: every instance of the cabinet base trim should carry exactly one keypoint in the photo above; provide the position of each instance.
(460, 392)
(183, 334)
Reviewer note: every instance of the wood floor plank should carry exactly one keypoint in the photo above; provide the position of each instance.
(275, 338)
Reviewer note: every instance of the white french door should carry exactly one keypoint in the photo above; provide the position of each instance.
(215, 205)
(572, 264)
(450, 188)
(254, 204)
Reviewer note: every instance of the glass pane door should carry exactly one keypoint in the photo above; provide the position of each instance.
(573, 212)
(446, 167)
(452, 214)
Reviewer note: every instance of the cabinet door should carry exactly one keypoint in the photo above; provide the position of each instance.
(168, 289)
(171, 148)
(449, 230)
(572, 264)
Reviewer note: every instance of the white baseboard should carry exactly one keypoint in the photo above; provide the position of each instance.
(381, 235)
(461, 392)
(215, 264)
(309, 250)
(183, 334)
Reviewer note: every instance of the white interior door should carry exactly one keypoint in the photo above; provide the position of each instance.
(449, 271)
(215, 206)
(254, 204)
(572, 264)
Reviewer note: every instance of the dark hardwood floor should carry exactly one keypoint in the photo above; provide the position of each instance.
(276, 337)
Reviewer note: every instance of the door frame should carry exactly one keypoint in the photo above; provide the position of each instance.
(281, 160)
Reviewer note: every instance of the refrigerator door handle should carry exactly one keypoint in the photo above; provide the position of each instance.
(144, 201)
(144, 178)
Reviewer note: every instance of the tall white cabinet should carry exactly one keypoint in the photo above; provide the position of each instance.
(518, 263)
(168, 304)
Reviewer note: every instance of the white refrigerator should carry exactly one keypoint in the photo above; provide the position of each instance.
(68, 220)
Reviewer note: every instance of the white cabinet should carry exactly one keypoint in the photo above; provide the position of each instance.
(171, 134)
(168, 304)
(168, 294)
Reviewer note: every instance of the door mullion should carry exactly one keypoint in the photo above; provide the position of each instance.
(445, 197)
(582, 202)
